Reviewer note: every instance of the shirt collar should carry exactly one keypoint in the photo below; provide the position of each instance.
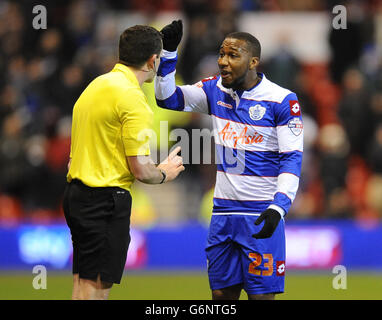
(127, 72)
(255, 87)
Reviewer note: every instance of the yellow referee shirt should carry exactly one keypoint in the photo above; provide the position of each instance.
(111, 120)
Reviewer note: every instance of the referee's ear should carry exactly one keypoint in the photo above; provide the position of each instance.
(151, 62)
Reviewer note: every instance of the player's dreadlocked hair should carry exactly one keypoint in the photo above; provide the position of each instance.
(253, 43)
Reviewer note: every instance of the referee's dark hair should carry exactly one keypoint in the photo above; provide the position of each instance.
(137, 44)
(253, 43)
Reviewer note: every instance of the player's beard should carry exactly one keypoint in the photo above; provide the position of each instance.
(237, 83)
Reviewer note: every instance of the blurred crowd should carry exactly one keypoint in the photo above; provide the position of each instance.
(44, 72)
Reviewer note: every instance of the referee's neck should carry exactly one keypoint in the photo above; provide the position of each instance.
(141, 74)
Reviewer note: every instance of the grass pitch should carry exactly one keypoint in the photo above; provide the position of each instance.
(192, 286)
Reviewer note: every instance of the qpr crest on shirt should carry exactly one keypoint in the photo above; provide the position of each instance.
(295, 125)
(257, 112)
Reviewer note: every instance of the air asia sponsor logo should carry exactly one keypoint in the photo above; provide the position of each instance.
(295, 109)
(280, 268)
(295, 125)
(225, 105)
(257, 112)
(228, 134)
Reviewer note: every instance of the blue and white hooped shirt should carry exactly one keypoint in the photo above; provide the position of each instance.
(258, 135)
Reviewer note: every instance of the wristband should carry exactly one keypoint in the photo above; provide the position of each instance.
(164, 176)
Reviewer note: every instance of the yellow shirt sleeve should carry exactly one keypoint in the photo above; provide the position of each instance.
(137, 119)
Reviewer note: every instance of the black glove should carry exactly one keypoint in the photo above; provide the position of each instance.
(271, 219)
(172, 34)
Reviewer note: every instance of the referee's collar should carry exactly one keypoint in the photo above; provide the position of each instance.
(127, 72)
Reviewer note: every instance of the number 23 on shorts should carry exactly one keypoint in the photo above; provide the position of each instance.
(257, 260)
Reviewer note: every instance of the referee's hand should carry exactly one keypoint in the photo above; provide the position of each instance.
(172, 165)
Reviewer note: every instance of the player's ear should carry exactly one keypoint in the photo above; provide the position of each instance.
(254, 63)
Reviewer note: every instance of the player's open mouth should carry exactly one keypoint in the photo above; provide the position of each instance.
(225, 74)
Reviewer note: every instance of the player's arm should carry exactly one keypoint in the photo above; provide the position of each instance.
(168, 95)
(290, 140)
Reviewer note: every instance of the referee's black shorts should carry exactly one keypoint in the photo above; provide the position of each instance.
(99, 222)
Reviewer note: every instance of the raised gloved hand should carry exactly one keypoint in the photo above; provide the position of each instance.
(271, 219)
(172, 34)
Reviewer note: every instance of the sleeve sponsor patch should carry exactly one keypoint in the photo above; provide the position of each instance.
(295, 125)
(295, 109)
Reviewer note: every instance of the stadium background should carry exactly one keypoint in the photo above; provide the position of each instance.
(337, 75)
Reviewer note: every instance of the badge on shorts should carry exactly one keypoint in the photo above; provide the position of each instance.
(257, 112)
(280, 268)
(295, 125)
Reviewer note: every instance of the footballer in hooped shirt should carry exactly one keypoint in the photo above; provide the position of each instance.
(260, 124)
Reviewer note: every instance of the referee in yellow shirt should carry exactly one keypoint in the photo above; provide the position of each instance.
(109, 150)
